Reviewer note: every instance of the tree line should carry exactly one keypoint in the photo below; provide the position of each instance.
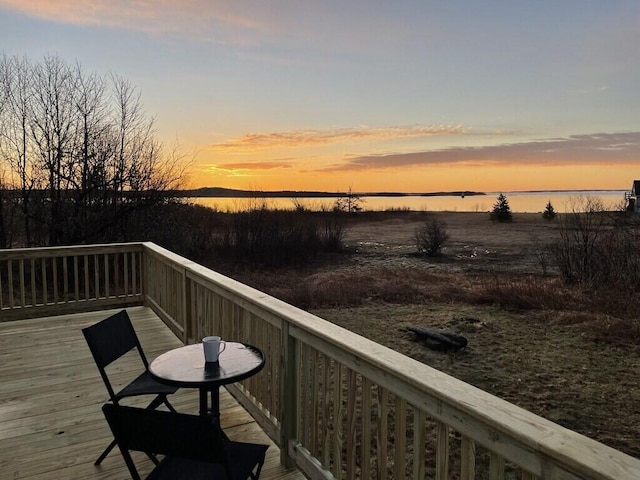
(78, 155)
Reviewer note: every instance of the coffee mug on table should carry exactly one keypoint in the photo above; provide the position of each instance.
(213, 347)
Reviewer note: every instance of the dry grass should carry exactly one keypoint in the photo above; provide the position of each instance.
(565, 354)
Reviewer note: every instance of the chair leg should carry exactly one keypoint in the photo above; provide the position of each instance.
(153, 458)
(256, 476)
(159, 400)
(169, 406)
(105, 453)
(156, 402)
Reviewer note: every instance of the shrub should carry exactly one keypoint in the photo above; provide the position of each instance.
(265, 237)
(596, 249)
(501, 210)
(349, 202)
(431, 237)
(332, 231)
(527, 292)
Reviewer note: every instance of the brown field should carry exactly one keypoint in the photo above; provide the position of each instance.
(554, 350)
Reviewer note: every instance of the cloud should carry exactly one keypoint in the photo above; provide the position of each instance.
(590, 91)
(253, 165)
(297, 138)
(219, 22)
(244, 169)
(590, 149)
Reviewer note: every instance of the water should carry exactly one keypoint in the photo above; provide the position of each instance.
(520, 202)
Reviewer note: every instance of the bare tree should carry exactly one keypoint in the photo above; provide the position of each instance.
(16, 148)
(83, 152)
(91, 149)
(3, 201)
(580, 252)
(53, 126)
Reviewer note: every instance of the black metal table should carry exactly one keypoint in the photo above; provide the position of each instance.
(185, 367)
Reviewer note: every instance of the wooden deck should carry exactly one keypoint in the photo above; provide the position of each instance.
(51, 425)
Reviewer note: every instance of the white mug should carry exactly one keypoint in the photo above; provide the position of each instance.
(213, 347)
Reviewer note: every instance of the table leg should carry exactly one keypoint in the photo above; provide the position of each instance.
(215, 402)
(214, 411)
(204, 409)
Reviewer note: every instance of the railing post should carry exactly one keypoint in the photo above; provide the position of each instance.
(288, 394)
(144, 273)
(186, 307)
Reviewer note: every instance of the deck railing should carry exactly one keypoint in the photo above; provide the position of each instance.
(339, 405)
(38, 282)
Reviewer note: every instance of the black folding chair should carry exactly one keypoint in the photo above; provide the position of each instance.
(194, 446)
(109, 340)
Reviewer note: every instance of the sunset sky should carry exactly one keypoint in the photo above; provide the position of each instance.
(412, 96)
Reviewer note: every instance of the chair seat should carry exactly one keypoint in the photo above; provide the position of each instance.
(144, 384)
(243, 457)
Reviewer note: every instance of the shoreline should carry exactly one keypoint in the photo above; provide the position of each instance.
(220, 192)
(231, 193)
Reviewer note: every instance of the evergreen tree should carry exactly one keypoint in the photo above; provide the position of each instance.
(501, 210)
(549, 213)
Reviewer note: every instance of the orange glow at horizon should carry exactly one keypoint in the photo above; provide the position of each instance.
(482, 178)
(434, 159)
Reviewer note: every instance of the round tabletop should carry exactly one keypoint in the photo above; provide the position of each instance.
(185, 366)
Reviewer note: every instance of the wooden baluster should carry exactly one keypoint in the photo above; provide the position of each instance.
(34, 290)
(96, 276)
(467, 459)
(382, 439)
(400, 438)
(262, 393)
(22, 283)
(303, 428)
(65, 278)
(275, 347)
(10, 283)
(125, 273)
(419, 425)
(86, 277)
(366, 429)
(328, 388)
(314, 446)
(1, 302)
(76, 278)
(496, 467)
(352, 417)
(45, 299)
(442, 452)
(116, 273)
(338, 428)
(54, 265)
(107, 276)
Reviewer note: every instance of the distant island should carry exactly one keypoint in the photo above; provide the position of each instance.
(219, 192)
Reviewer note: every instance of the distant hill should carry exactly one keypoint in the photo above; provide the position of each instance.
(232, 193)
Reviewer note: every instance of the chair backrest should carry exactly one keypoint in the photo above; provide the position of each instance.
(109, 340)
(166, 433)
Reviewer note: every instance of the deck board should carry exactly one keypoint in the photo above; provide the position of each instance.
(51, 425)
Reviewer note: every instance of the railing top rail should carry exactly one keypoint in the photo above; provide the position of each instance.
(40, 252)
(580, 454)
